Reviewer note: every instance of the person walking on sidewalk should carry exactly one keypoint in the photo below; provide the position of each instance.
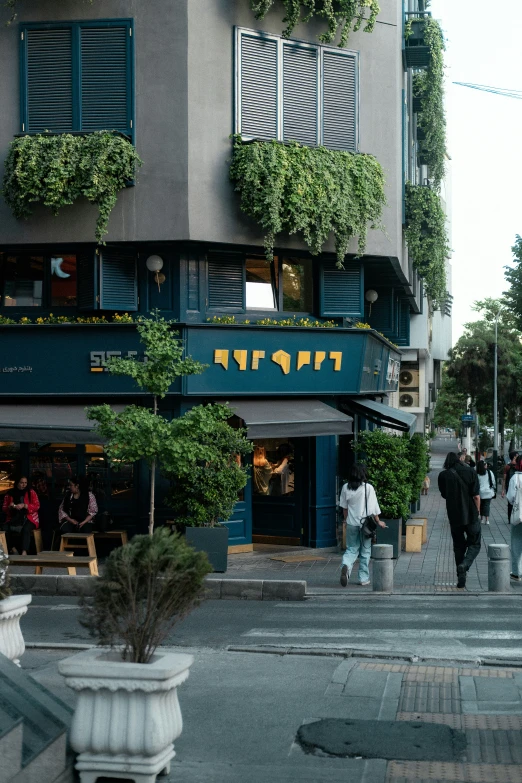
(459, 486)
(509, 471)
(358, 501)
(514, 496)
(487, 490)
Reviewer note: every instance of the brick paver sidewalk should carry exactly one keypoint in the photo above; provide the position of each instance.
(430, 571)
(484, 704)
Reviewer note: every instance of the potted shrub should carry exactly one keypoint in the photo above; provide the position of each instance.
(417, 53)
(127, 714)
(204, 491)
(12, 609)
(386, 460)
(418, 456)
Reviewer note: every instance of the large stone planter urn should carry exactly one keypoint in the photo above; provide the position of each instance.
(127, 715)
(12, 609)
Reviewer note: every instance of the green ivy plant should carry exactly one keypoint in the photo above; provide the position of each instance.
(308, 190)
(388, 467)
(343, 15)
(57, 170)
(427, 239)
(428, 86)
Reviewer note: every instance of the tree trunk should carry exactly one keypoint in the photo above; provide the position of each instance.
(152, 481)
(502, 415)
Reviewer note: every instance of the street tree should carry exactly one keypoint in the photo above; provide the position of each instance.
(140, 432)
(451, 403)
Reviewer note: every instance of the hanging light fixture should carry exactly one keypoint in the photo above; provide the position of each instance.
(371, 296)
(155, 264)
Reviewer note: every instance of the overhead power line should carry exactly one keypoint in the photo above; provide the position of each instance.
(494, 90)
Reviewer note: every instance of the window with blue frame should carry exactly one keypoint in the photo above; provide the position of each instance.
(77, 77)
(295, 91)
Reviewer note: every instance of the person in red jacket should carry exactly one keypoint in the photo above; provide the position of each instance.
(21, 506)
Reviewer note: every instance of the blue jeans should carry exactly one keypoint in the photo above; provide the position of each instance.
(357, 546)
(516, 549)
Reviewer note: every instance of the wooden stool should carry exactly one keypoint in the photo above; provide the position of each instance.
(37, 535)
(71, 571)
(114, 534)
(424, 522)
(3, 542)
(70, 541)
(413, 536)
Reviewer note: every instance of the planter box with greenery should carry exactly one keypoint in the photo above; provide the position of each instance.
(341, 15)
(313, 191)
(427, 238)
(12, 609)
(127, 714)
(417, 53)
(388, 468)
(57, 169)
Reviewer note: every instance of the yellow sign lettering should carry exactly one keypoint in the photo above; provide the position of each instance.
(337, 357)
(241, 359)
(319, 358)
(283, 360)
(221, 357)
(303, 357)
(256, 356)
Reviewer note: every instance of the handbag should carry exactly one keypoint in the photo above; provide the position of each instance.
(491, 484)
(17, 521)
(368, 523)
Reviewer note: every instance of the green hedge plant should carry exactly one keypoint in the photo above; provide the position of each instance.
(388, 467)
(427, 238)
(309, 190)
(57, 170)
(419, 458)
(340, 15)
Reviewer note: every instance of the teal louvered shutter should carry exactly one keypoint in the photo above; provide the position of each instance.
(87, 281)
(118, 279)
(258, 87)
(403, 337)
(300, 87)
(105, 77)
(383, 316)
(48, 88)
(342, 290)
(226, 282)
(339, 101)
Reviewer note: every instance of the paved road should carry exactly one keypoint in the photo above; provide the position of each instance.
(459, 627)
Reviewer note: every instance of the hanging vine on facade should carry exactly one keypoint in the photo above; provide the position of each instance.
(427, 238)
(341, 16)
(309, 190)
(428, 87)
(57, 170)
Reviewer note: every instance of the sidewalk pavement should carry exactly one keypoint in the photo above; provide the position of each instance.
(244, 716)
(429, 571)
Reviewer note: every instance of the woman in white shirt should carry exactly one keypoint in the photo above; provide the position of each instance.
(487, 490)
(358, 501)
(513, 496)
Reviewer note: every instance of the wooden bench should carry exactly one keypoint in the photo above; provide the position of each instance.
(55, 560)
(39, 569)
(37, 535)
(114, 535)
(74, 541)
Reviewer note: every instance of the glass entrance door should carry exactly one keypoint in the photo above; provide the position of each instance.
(278, 490)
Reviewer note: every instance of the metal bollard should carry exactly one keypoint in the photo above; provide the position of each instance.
(382, 555)
(499, 566)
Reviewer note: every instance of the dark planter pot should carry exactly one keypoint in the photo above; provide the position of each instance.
(413, 507)
(416, 105)
(418, 504)
(421, 134)
(416, 53)
(391, 535)
(213, 541)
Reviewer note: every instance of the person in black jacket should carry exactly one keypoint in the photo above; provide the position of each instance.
(459, 486)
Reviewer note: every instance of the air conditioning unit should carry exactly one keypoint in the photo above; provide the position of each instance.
(409, 379)
(409, 400)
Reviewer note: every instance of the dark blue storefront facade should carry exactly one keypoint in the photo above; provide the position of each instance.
(49, 373)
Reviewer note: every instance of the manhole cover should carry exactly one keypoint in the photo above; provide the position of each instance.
(377, 739)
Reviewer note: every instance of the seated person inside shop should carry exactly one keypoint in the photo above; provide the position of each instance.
(78, 508)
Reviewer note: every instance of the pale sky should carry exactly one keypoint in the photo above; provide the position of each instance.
(485, 143)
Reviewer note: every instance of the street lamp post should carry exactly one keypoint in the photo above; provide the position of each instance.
(495, 399)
